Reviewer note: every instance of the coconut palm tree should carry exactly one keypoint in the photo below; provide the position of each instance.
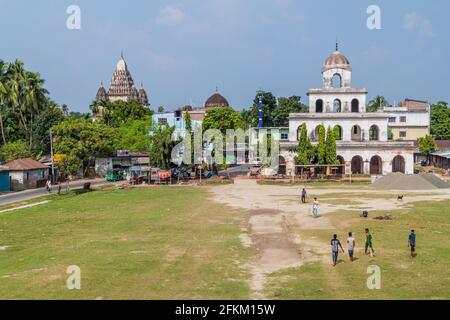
(3, 95)
(378, 103)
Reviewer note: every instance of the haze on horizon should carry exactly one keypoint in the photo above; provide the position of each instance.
(182, 50)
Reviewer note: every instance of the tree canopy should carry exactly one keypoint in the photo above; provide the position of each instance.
(440, 120)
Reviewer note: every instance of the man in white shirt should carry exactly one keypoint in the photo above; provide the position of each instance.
(315, 209)
(351, 245)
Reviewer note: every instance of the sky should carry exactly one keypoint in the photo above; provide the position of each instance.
(182, 50)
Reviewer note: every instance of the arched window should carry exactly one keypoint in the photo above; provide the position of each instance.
(315, 134)
(337, 132)
(356, 133)
(336, 81)
(337, 105)
(341, 168)
(374, 133)
(355, 105)
(319, 106)
(282, 166)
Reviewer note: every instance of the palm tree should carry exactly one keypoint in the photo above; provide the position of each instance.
(3, 95)
(378, 103)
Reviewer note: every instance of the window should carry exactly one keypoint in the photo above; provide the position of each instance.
(162, 121)
(402, 134)
(392, 120)
(284, 136)
(403, 119)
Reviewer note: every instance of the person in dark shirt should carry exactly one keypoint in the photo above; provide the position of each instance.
(335, 245)
(304, 195)
(412, 243)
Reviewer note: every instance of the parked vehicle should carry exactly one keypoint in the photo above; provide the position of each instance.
(113, 176)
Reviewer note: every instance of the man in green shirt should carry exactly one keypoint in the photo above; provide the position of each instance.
(369, 245)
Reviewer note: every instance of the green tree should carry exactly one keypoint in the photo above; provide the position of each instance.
(320, 149)
(188, 122)
(330, 148)
(440, 120)
(222, 119)
(161, 146)
(304, 150)
(427, 145)
(377, 104)
(280, 115)
(15, 150)
(84, 139)
(252, 116)
(3, 96)
(120, 112)
(134, 135)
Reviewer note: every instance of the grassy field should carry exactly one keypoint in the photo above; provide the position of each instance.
(425, 277)
(164, 243)
(175, 243)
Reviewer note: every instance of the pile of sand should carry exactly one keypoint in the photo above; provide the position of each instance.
(399, 181)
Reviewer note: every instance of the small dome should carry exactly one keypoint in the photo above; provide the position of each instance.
(121, 65)
(216, 100)
(337, 59)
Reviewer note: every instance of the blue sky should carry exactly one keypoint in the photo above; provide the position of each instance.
(182, 50)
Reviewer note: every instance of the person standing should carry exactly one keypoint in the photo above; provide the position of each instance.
(335, 245)
(351, 246)
(49, 186)
(412, 243)
(315, 209)
(369, 244)
(304, 194)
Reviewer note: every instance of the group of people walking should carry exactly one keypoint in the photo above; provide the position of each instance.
(351, 242)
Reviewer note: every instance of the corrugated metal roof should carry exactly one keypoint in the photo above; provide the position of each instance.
(25, 164)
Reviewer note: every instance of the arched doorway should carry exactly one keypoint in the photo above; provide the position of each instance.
(355, 105)
(282, 166)
(319, 106)
(315, 134)
(398, 164)
(341, 168)
(337, 132)
(374, 133)
(357, 165)
(356, 133)
(376, 165)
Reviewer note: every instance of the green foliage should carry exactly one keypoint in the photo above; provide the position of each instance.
(440, 120)
(222, 119)
(188, 121)
(304, 150)
(280, 115)
(15, 150)
(69, 164)
(320, 149)
(120, 112)
(161, 146)
(427, 145)
(134, 135)
(330, 148)
(377, 104)
(83, 138)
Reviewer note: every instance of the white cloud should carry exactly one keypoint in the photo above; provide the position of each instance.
(170, 16)
(413, 22)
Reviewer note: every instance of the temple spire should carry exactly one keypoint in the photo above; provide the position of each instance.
(337, 44)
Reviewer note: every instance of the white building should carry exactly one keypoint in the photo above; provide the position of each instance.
(363, 145)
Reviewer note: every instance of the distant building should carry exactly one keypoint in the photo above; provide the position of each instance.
(124, 161)
(122, 87)
(410, 120)
(27, 174)
(4, 179)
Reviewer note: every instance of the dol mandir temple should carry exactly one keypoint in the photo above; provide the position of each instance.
(362, 140)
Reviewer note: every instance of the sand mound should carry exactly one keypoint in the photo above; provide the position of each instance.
(399, 181)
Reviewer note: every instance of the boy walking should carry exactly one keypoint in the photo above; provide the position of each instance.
(335, 245)
(369, 245)
(304, 195)
(351, 246)
(315, 209)
(412, 243)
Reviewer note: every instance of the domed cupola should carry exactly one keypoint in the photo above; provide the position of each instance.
(216, 100)
(337, 71)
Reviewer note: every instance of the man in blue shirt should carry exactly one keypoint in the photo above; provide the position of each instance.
(412, 243)
(335, 245)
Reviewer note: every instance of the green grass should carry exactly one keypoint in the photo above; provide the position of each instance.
(159, 243)
(425, 277)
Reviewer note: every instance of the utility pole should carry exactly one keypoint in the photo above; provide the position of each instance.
(51, 151)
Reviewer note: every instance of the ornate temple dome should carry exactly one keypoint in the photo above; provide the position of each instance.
(216, 100)
(122, 84)
(337, 60)
(101, 96)
(143, 98)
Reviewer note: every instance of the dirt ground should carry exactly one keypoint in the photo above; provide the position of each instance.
(274, 211)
